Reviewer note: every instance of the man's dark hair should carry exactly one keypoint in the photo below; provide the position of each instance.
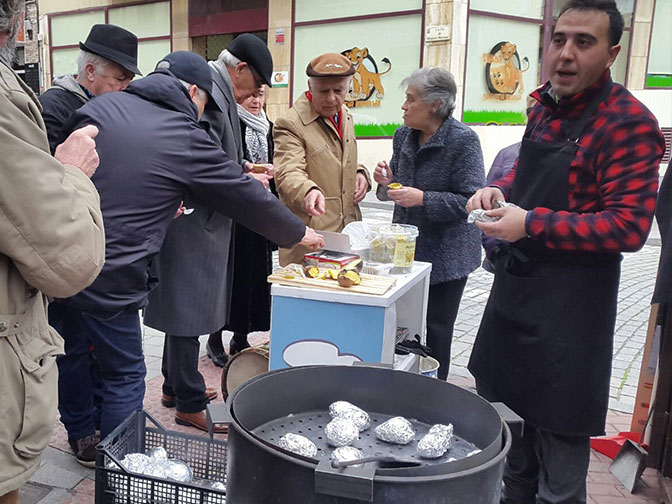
(609, 7)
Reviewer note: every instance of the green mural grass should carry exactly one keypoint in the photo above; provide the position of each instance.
(494, 117)
(376, 130)
(658, 80)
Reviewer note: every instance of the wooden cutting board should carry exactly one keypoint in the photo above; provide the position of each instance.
(371, 284)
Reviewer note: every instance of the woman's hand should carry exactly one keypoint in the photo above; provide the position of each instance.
(383, 173)
(406, 196)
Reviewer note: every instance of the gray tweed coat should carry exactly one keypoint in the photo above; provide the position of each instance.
(449, 169)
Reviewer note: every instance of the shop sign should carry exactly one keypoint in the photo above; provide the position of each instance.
(367, 88)
(280, 79)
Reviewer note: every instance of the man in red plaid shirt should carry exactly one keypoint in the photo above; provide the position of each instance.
(584, 187)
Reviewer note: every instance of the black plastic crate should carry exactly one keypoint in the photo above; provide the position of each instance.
(139, 433)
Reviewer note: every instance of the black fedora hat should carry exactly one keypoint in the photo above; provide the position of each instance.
(115, 44)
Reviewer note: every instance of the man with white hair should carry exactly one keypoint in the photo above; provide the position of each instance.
(52, 244)
(106, 62)
(316, 171)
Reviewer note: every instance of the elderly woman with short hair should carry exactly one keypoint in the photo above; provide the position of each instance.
(439, 163)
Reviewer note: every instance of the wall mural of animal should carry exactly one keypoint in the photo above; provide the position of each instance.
(365, 82)
(503, 69)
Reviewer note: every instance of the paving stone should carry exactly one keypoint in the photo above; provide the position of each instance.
(54, 476)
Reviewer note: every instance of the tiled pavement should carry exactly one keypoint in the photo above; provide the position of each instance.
(61, 480)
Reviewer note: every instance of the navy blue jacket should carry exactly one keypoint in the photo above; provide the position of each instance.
(153, 152)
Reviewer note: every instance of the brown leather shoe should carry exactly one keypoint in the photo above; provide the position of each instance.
(198, 420)
(169, 401)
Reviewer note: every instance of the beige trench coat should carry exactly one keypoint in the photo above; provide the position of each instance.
(51, 244)
(309, 154)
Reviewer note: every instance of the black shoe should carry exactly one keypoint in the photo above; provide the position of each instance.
(85, 449)
(238, 344)
(218, 359)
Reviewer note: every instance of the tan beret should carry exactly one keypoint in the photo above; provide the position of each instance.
(330, 65)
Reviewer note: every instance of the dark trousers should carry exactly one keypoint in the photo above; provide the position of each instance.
(117, 345)
(181, 377)
(442, 306)
(543, 467)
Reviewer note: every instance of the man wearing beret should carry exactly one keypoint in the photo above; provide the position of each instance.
(107, 61)
(198, 302)
(316, 171)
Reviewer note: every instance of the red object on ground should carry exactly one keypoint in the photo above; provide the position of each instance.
(611, 445)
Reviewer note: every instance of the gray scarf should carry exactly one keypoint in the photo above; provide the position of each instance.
(255, 134)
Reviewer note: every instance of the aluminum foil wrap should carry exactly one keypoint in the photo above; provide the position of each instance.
(346, 454)
(397, 430)
(177, 470)
(158, 453)
(344, 409)
(436, 442)
(341, 432)
(478, 215)
(298, 444)
(135, 462)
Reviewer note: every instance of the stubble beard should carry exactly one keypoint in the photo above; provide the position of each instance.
(8, 50)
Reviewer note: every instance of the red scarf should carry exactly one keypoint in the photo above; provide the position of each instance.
(337, 122)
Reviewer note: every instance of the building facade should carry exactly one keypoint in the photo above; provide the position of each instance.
(494, 49)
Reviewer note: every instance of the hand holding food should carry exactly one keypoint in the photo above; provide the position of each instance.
(383, 173)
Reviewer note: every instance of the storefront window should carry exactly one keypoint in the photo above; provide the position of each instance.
(313, 10)
(659, 71)
(385, 50)
(505, 56)
(502, 68)
(64, 61)
(149, 20)
(522, 8)
(149, 54)
(73, 28)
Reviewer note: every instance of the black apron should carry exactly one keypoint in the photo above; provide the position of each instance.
(544, 346)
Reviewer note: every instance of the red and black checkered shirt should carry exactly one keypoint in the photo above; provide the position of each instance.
(613, 179)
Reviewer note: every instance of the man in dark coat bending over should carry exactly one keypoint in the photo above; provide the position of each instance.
(153, 152)
(585, 188)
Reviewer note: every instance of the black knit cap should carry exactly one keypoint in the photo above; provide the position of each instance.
(253, 51)
(115, 44)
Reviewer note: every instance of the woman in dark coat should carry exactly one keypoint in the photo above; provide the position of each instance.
(439, 162)
(252, 262)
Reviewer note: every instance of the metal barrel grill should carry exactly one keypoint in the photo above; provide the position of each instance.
(297, 400)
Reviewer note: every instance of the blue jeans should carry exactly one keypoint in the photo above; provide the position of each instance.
(117, 343)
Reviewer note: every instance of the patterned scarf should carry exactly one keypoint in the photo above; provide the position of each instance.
(255, 134)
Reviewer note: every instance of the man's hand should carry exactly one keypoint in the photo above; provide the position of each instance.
(266, 168)
(406, 196)
(383, 173)
(180, 210)
(485, 198)
(361, 186)
(313, 203)
(312, 239)
(510, 227)
(262, 177)
(79, 150)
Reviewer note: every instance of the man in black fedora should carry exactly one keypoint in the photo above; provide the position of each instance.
(107, 61)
